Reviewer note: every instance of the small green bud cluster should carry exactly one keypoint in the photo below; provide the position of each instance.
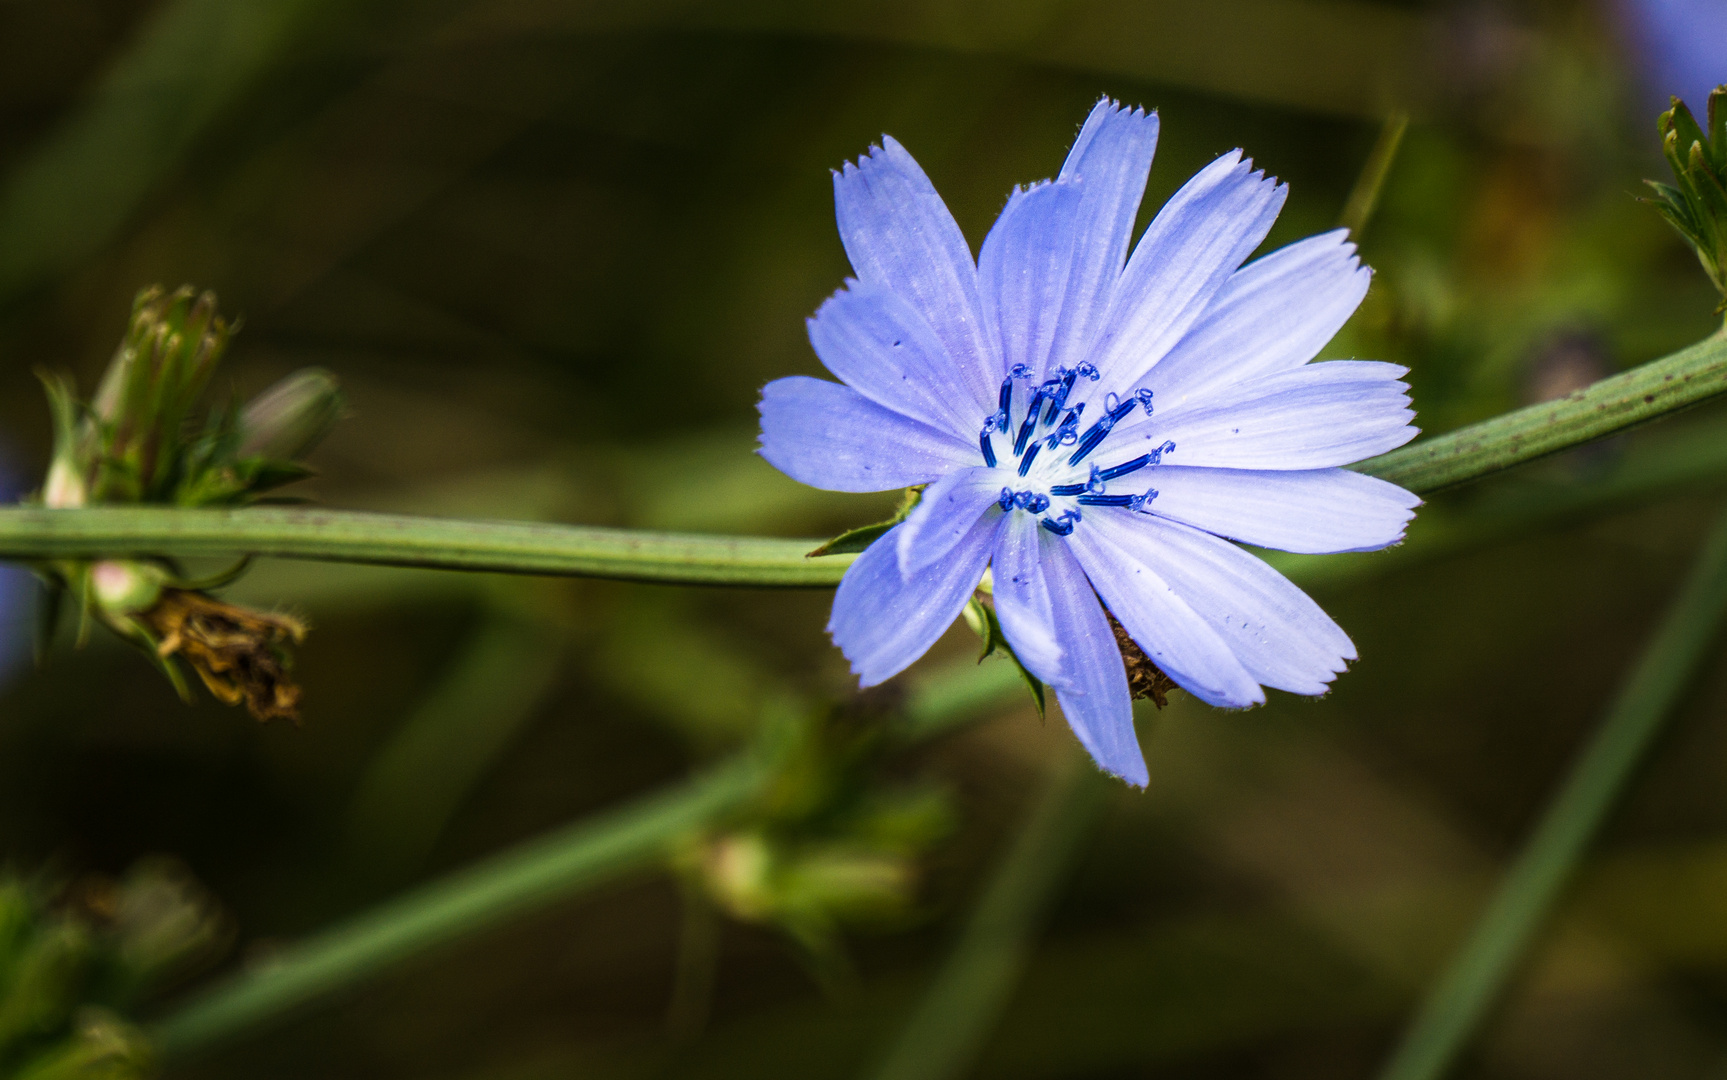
(136, 441)
(1697, 206)
(73, 961)
(830, 844)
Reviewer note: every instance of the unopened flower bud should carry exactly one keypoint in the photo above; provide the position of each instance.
(286, 421)
(1696, 204)
(122, 587)
(65, 489)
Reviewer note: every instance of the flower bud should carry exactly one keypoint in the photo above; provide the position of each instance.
(122, 587)
(286, 421)
(1696, 206)
(65, 489)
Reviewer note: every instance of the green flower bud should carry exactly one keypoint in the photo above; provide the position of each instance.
(286, 421)
(1696, 206)
(164, 923)
(122, 587)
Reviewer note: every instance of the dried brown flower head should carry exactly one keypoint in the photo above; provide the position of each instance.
(1144, 678)
(240, 655)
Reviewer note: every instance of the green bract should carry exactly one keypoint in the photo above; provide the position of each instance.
(1697, 206)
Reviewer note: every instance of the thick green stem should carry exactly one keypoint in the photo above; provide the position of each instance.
(396, 540)
(1607, 408)
(1478, 973)
(1639, 396)
(524, 878)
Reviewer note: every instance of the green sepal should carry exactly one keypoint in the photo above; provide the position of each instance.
(981, 618)
(853, 541)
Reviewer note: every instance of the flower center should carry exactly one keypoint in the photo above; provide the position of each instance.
(1052, 452)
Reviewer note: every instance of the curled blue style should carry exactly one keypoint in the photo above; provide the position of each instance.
(1096, 429)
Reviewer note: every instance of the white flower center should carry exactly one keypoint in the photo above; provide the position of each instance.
(1052, 453)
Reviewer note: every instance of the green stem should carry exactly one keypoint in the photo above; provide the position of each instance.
(1643, 394)
(1613, 405)
(962, 1005)
(1477, 975)
(524, 878)
(396, 540)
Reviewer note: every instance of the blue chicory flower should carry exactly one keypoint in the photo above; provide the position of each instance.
(1093, 426)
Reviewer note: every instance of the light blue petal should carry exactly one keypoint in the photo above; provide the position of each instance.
(1096, 701)
(882, 622)
(1110, 161)
(1275, 313)
(1311, 417)
(879, 346)
(1315, 512)
(1279, 635)
(1022, 598)
(1128, 574)
(1196, 241)
(1023, 269)
(830, 436)
(899, 236)
(944, 516)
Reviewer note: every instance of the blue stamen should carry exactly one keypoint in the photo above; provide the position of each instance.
(1006, 500)
(1063, 524)
(1094, 486)
(1138, 503)
(1026, 428)
(1068, 433)
(1094, 435)
(1086, 369)
(1030, 456)
(1108, 500)
(1067, 489)
(1144, 397)
(1005, 401)
(1125, 467)
(1019, 371)
(1063, 389)
(1034, 501)
(987, 445)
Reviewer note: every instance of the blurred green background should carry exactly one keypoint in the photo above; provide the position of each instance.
(553, 249)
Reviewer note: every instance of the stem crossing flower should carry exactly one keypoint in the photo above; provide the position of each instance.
(1095, 427)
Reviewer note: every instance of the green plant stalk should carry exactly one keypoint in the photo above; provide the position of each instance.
(960, 1009)
(1630, 399)
(1477, 974)
(1613, 405)
(529, 876)
(398, 540)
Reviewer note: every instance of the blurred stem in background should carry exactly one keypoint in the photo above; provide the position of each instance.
(590, 853)
(1364, 197)
(960, 1008)
(420, 778)
(1477, 975)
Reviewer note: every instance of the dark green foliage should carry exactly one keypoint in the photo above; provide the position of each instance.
(74, 960)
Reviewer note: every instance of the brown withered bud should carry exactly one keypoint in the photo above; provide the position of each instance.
(1144, 678)
(240, 655)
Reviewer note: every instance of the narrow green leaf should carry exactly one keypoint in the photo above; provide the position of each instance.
(855, 541)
